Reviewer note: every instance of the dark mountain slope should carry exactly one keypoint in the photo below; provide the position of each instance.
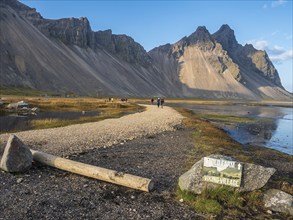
(45, 57)
(65, 55)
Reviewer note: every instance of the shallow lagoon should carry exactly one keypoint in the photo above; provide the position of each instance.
(11, 122)
(275, 134)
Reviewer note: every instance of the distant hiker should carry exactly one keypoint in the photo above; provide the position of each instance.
(159, 102)
(152, 101)
(162, 102)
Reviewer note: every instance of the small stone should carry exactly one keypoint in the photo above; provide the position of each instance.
(132, 197)
(85, 185)
(19, 180)
(269, 212)
(181, 200)
(278, 201)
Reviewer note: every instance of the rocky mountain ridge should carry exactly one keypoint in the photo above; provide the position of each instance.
(66, 55)
(207, 60)
(257, 60)
(77, 31)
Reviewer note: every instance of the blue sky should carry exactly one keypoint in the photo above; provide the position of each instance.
(265, 24)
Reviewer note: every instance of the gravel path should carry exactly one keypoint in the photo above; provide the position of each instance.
(158, 150)
(79, 138)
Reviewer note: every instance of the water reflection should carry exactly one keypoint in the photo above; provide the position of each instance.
(11, 122)
(275, 132)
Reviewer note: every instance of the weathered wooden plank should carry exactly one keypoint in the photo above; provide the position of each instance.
(112, 176)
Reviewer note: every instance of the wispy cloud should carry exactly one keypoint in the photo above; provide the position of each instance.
(276, 53)
(278, 3)
(260, 44)
(279, 58)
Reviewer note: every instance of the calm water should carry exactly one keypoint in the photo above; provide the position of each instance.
(276, 133)
(11, 122)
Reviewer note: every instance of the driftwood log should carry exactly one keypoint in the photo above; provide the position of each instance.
(112, 176)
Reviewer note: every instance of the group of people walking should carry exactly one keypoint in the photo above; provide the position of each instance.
(160, 102)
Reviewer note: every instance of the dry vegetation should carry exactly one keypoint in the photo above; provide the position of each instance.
(226, 202)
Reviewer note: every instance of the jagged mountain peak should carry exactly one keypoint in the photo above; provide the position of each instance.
(225, 28)
(200, 35)
(66, 55)
(225, 35)
(249, 47)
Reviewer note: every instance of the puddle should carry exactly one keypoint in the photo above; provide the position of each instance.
(11, 122)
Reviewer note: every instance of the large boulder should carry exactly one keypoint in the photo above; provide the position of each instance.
(17, 157)
(253, 177)
(278, 201)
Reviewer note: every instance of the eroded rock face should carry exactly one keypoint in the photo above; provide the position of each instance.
(65, 55)
(130, 51)
(278, 201)
(253, 177)
(17, 157)
(247, 57)
(75, 31)
(261, 64)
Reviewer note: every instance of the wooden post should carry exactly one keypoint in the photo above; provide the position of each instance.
(112, 176)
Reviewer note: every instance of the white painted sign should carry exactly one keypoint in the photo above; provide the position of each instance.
(220, 171)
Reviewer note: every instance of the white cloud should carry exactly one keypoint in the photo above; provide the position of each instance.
(278, 3)
(260, 45)
(276, 50)
(279, 58)
(276, 53)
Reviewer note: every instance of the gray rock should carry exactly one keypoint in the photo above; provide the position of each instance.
(192, 179)
(17, 157)
(278, 201)
(19, 180)
(253, 177)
